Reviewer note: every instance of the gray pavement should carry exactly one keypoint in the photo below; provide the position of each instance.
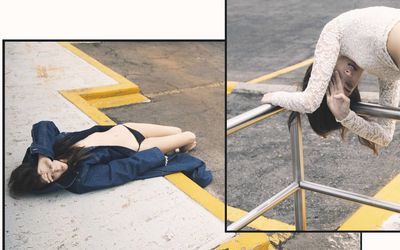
(162, 66)
(185, 82)
(326, 241)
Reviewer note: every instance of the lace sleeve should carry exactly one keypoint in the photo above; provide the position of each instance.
(325, 57)
(380, 132)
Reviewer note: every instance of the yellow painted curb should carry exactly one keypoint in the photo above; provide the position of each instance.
(282, 71)
(123, 93)
(371, 218)
(106, 70)
(261, 223)
(217, 207)
(247, 241)
(91, 111)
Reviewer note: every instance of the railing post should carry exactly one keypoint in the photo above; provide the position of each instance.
(298, 174)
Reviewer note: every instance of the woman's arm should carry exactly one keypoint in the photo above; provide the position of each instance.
(380, 132)
(43, 137)
(119, 171)
(325, 57)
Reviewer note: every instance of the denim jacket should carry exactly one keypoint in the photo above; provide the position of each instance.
(109, 166)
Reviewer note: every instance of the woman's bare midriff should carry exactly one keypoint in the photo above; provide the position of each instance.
(393, 44)
(115, 136)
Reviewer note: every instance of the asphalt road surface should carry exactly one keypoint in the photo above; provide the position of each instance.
(186, 84)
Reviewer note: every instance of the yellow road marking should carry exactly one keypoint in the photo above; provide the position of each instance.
(282, 71)
(371, 218)
(106, 70)
(247, 241)
(123, 93)
(231, 84)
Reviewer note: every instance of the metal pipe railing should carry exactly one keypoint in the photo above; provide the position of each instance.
(264, 207)
(299, 185)
(347, 195)
(296, 141)
(264, 111)
(376, 110)
(250, 117)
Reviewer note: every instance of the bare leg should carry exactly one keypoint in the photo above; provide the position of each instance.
(169, 143)
(153, 130)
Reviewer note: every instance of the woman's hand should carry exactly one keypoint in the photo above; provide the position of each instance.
(338, 102)
(44, 168)
(266, 98)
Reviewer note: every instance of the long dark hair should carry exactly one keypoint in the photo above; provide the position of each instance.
(322, 121)
(25, 179)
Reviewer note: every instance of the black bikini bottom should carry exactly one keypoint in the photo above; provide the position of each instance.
(139, 137)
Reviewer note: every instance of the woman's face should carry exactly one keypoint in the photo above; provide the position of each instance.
(350, 74)
(57, 168)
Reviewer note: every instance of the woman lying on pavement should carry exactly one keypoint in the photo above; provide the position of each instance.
(103, 157)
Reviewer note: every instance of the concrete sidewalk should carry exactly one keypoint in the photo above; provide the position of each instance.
(149, 214)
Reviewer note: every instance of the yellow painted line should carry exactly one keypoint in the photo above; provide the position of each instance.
(261, 223)
(282, 71)
(94, 113)
(112, 90)
(279, 238)
(246, 241)
(371, 218)
(123, 93)
(230, 85)
(106, 70)
(252, 241)
(216, 207)
(116, 101)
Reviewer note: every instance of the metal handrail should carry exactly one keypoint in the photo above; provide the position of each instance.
(299, 185)
(250, 117)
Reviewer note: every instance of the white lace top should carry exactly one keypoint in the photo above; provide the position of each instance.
(361, 35)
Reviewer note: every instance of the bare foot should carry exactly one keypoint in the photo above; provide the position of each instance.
(188, 147)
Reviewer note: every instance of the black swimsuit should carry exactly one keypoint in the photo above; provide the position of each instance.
(139, 137)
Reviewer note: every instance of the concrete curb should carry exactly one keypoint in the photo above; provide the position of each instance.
(262, 88)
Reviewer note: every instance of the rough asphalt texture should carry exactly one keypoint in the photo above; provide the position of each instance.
(326, 241)
(262, 37)
(185, 82)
